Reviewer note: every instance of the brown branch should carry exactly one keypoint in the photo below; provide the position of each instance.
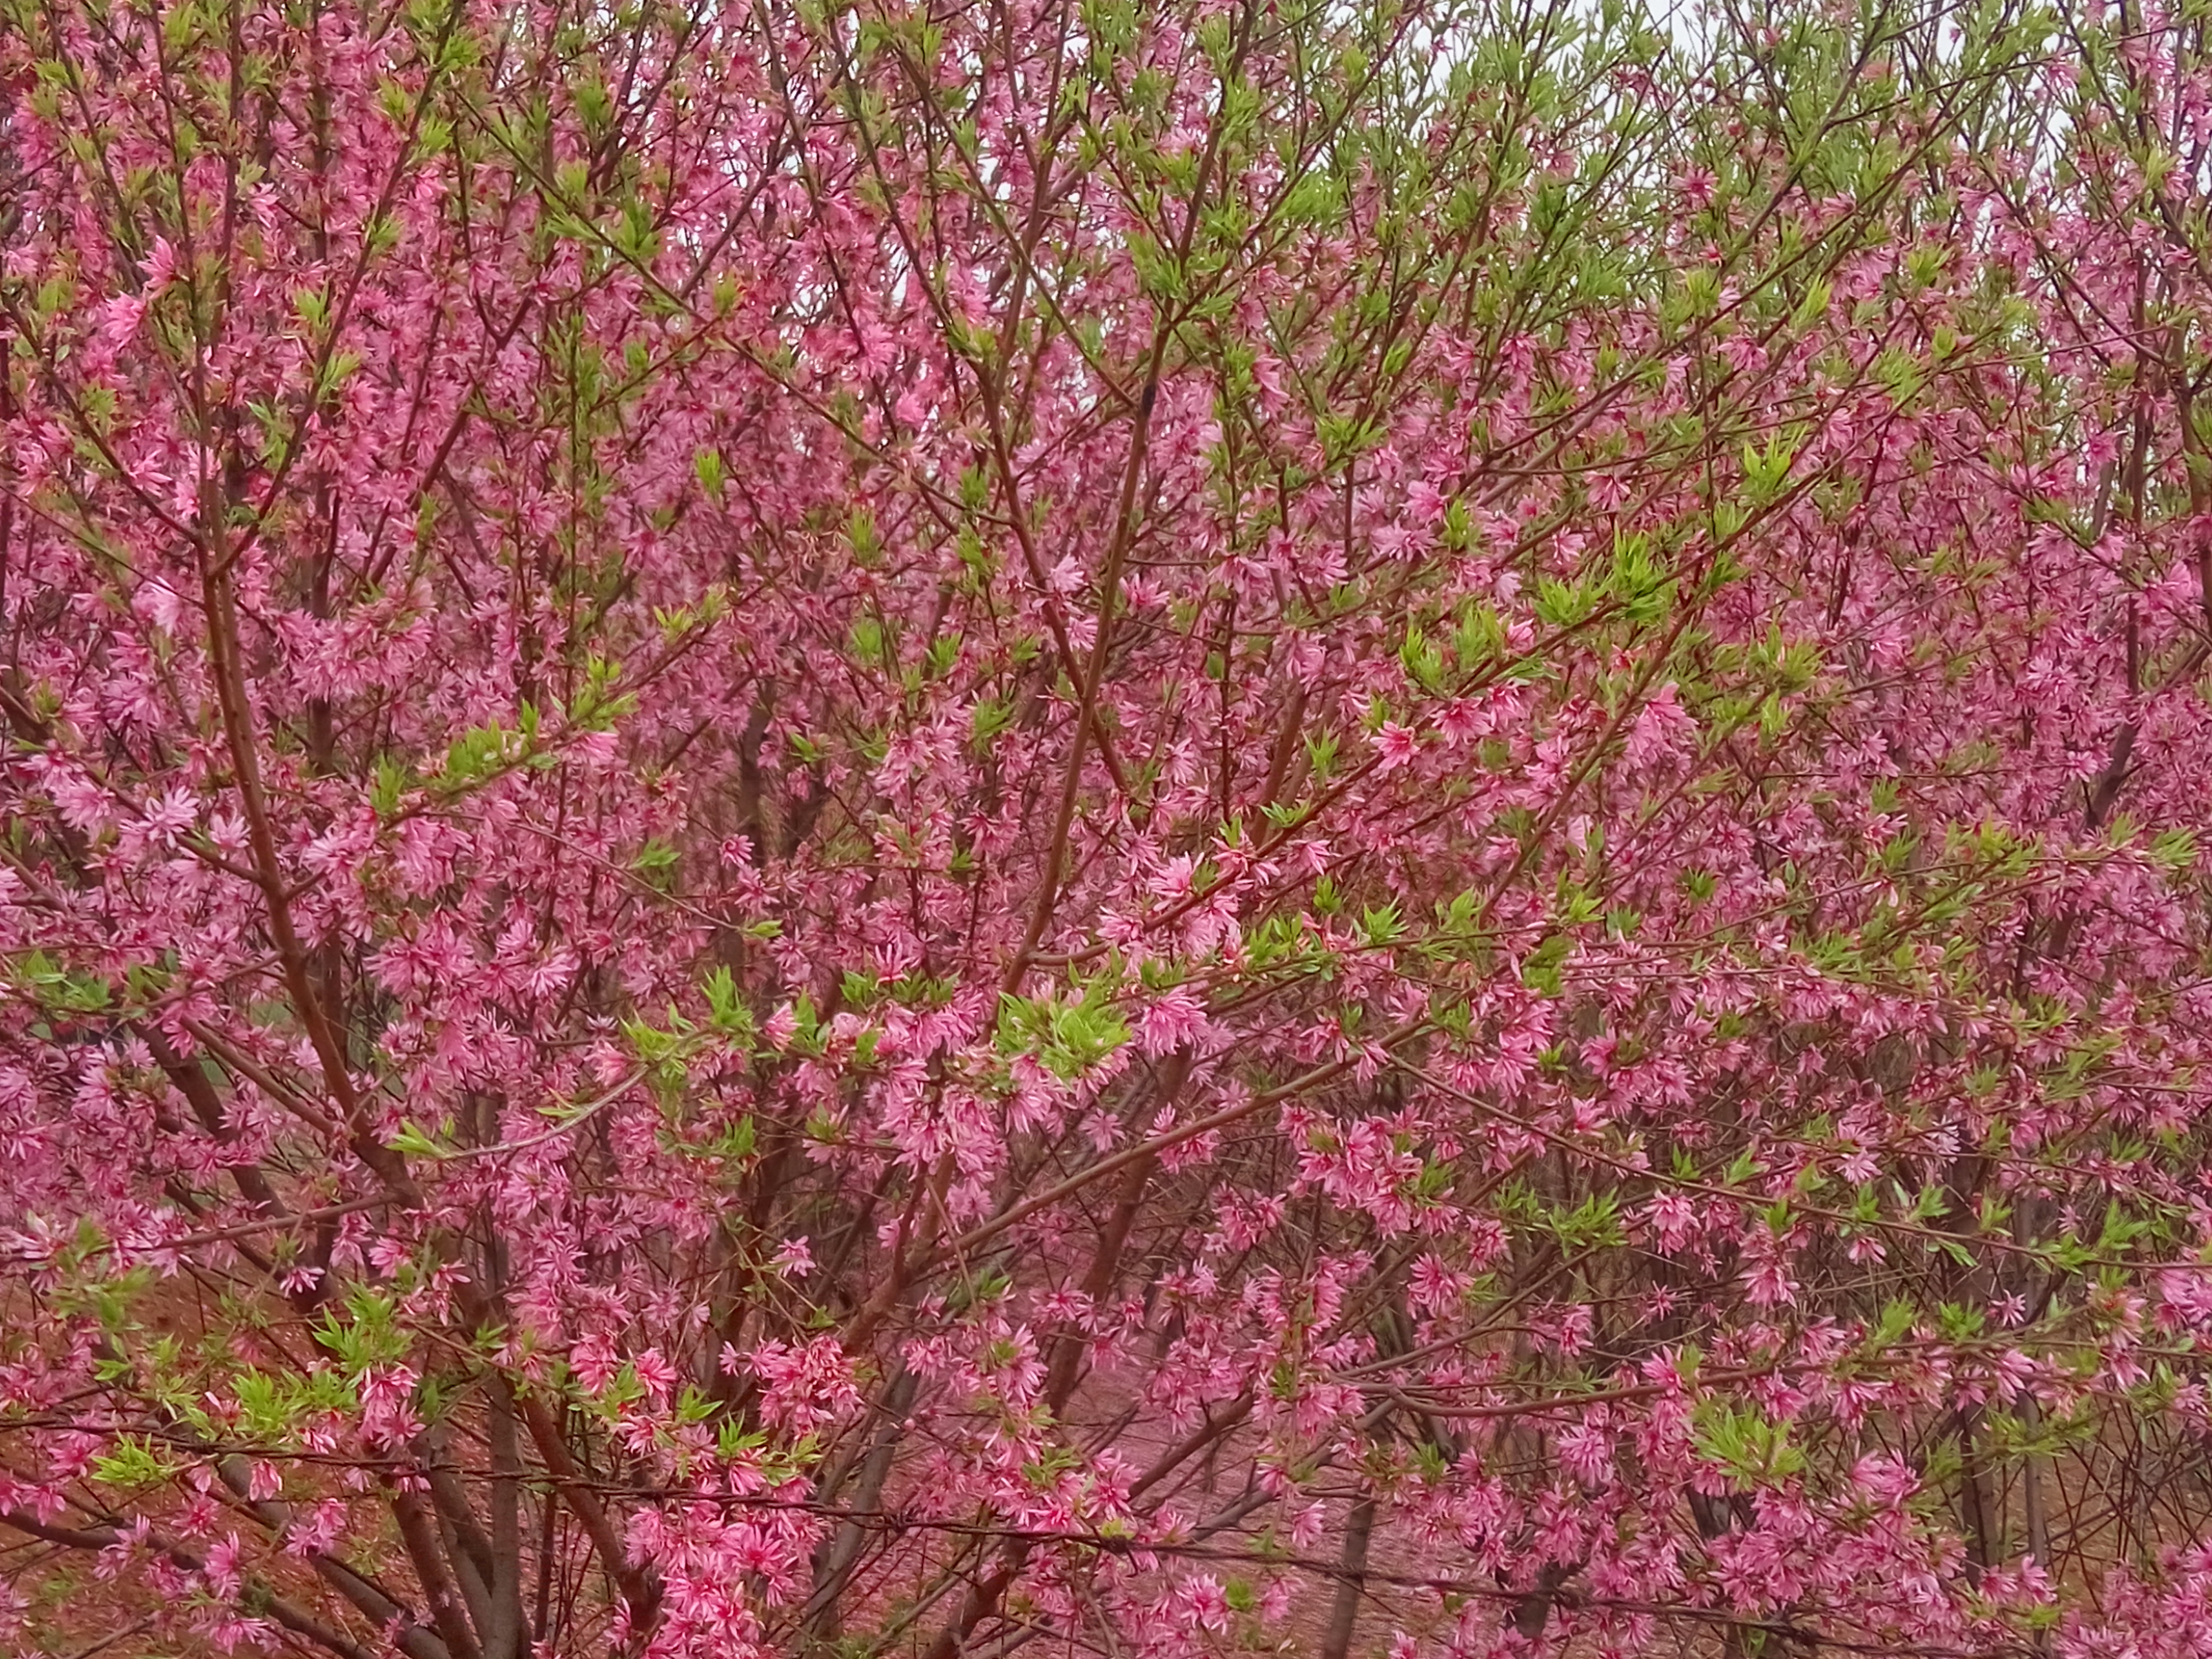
(230, 676)
(419, 1538)
(639, 1590)
(254, 1596)
(1352, 1581)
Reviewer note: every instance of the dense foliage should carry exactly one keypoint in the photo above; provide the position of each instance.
(1138, 827)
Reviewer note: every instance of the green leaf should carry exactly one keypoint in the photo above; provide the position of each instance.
(134, 1462)
(412, 1141)
(726, 1008)
(1754, 1451)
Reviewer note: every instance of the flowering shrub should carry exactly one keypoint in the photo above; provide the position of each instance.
(1169, 828)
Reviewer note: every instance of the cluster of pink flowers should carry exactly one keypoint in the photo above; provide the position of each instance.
(1157, 828)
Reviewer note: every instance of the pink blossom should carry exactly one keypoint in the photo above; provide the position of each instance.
(830, 832)
(1395, 745)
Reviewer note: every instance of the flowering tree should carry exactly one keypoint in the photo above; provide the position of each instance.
(1145, 828)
